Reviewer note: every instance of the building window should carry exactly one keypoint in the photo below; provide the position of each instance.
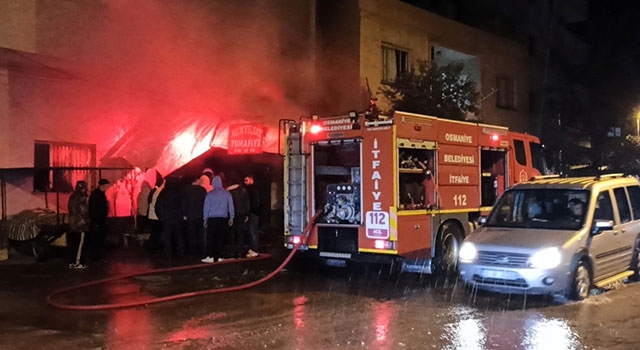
(394, 63)
(506, 95)
(58, 166)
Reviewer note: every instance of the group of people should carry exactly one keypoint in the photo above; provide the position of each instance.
(87, 234)
(213, 216)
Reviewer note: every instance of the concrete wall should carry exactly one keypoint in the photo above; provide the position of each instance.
(18, 24)
(17, 32)
(339, 89)
(4, 113)
(405, 26)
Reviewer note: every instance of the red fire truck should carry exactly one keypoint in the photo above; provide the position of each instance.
(402, 189)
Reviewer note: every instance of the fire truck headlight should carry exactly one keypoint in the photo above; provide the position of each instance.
(467, 252)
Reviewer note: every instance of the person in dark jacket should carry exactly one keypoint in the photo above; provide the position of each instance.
(192, 208)
(255, 211)
(98, 214)
(78, 225)
(218, 214)
(239, 230)
(169, 210)
(142, 212)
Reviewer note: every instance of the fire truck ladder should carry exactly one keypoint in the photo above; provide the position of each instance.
(296, 180)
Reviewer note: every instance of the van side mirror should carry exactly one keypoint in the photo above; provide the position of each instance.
(601, 225)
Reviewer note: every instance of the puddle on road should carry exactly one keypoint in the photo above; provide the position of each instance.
(472, 329)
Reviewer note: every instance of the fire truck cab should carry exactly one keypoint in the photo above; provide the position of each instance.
(403, 189)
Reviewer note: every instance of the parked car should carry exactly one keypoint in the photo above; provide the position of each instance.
(557, 236)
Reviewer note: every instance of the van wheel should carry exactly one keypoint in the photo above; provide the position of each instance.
(581, 282)
(635, 261)
(448, 244)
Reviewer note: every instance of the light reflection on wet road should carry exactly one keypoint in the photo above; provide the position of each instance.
(323, 309)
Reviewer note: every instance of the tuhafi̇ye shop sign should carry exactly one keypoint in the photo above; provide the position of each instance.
(245, 138)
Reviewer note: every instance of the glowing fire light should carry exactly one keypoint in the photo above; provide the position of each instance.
(183, 148)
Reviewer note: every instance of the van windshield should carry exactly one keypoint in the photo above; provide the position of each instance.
(554, 209)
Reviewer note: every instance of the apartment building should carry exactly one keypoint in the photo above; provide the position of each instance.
(156, 84)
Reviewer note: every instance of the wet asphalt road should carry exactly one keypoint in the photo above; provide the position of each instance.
(343, 308)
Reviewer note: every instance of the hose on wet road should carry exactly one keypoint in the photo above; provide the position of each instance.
(120, 305)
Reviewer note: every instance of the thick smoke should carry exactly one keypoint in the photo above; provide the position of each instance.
(149, 71)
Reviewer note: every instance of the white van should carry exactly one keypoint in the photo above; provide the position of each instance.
(557, 236)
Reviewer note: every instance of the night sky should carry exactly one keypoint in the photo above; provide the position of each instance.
(613, 32)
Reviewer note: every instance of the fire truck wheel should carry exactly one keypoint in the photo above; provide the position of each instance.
(448, 244)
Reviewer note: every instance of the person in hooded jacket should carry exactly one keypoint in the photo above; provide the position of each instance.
(218, 215)
(78, 206)
(169, 211)
(239, 230)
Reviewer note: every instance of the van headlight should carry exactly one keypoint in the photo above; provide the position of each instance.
(547, 258)
(467, 252)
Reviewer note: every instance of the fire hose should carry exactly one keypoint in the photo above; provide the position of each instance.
(60, 305)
